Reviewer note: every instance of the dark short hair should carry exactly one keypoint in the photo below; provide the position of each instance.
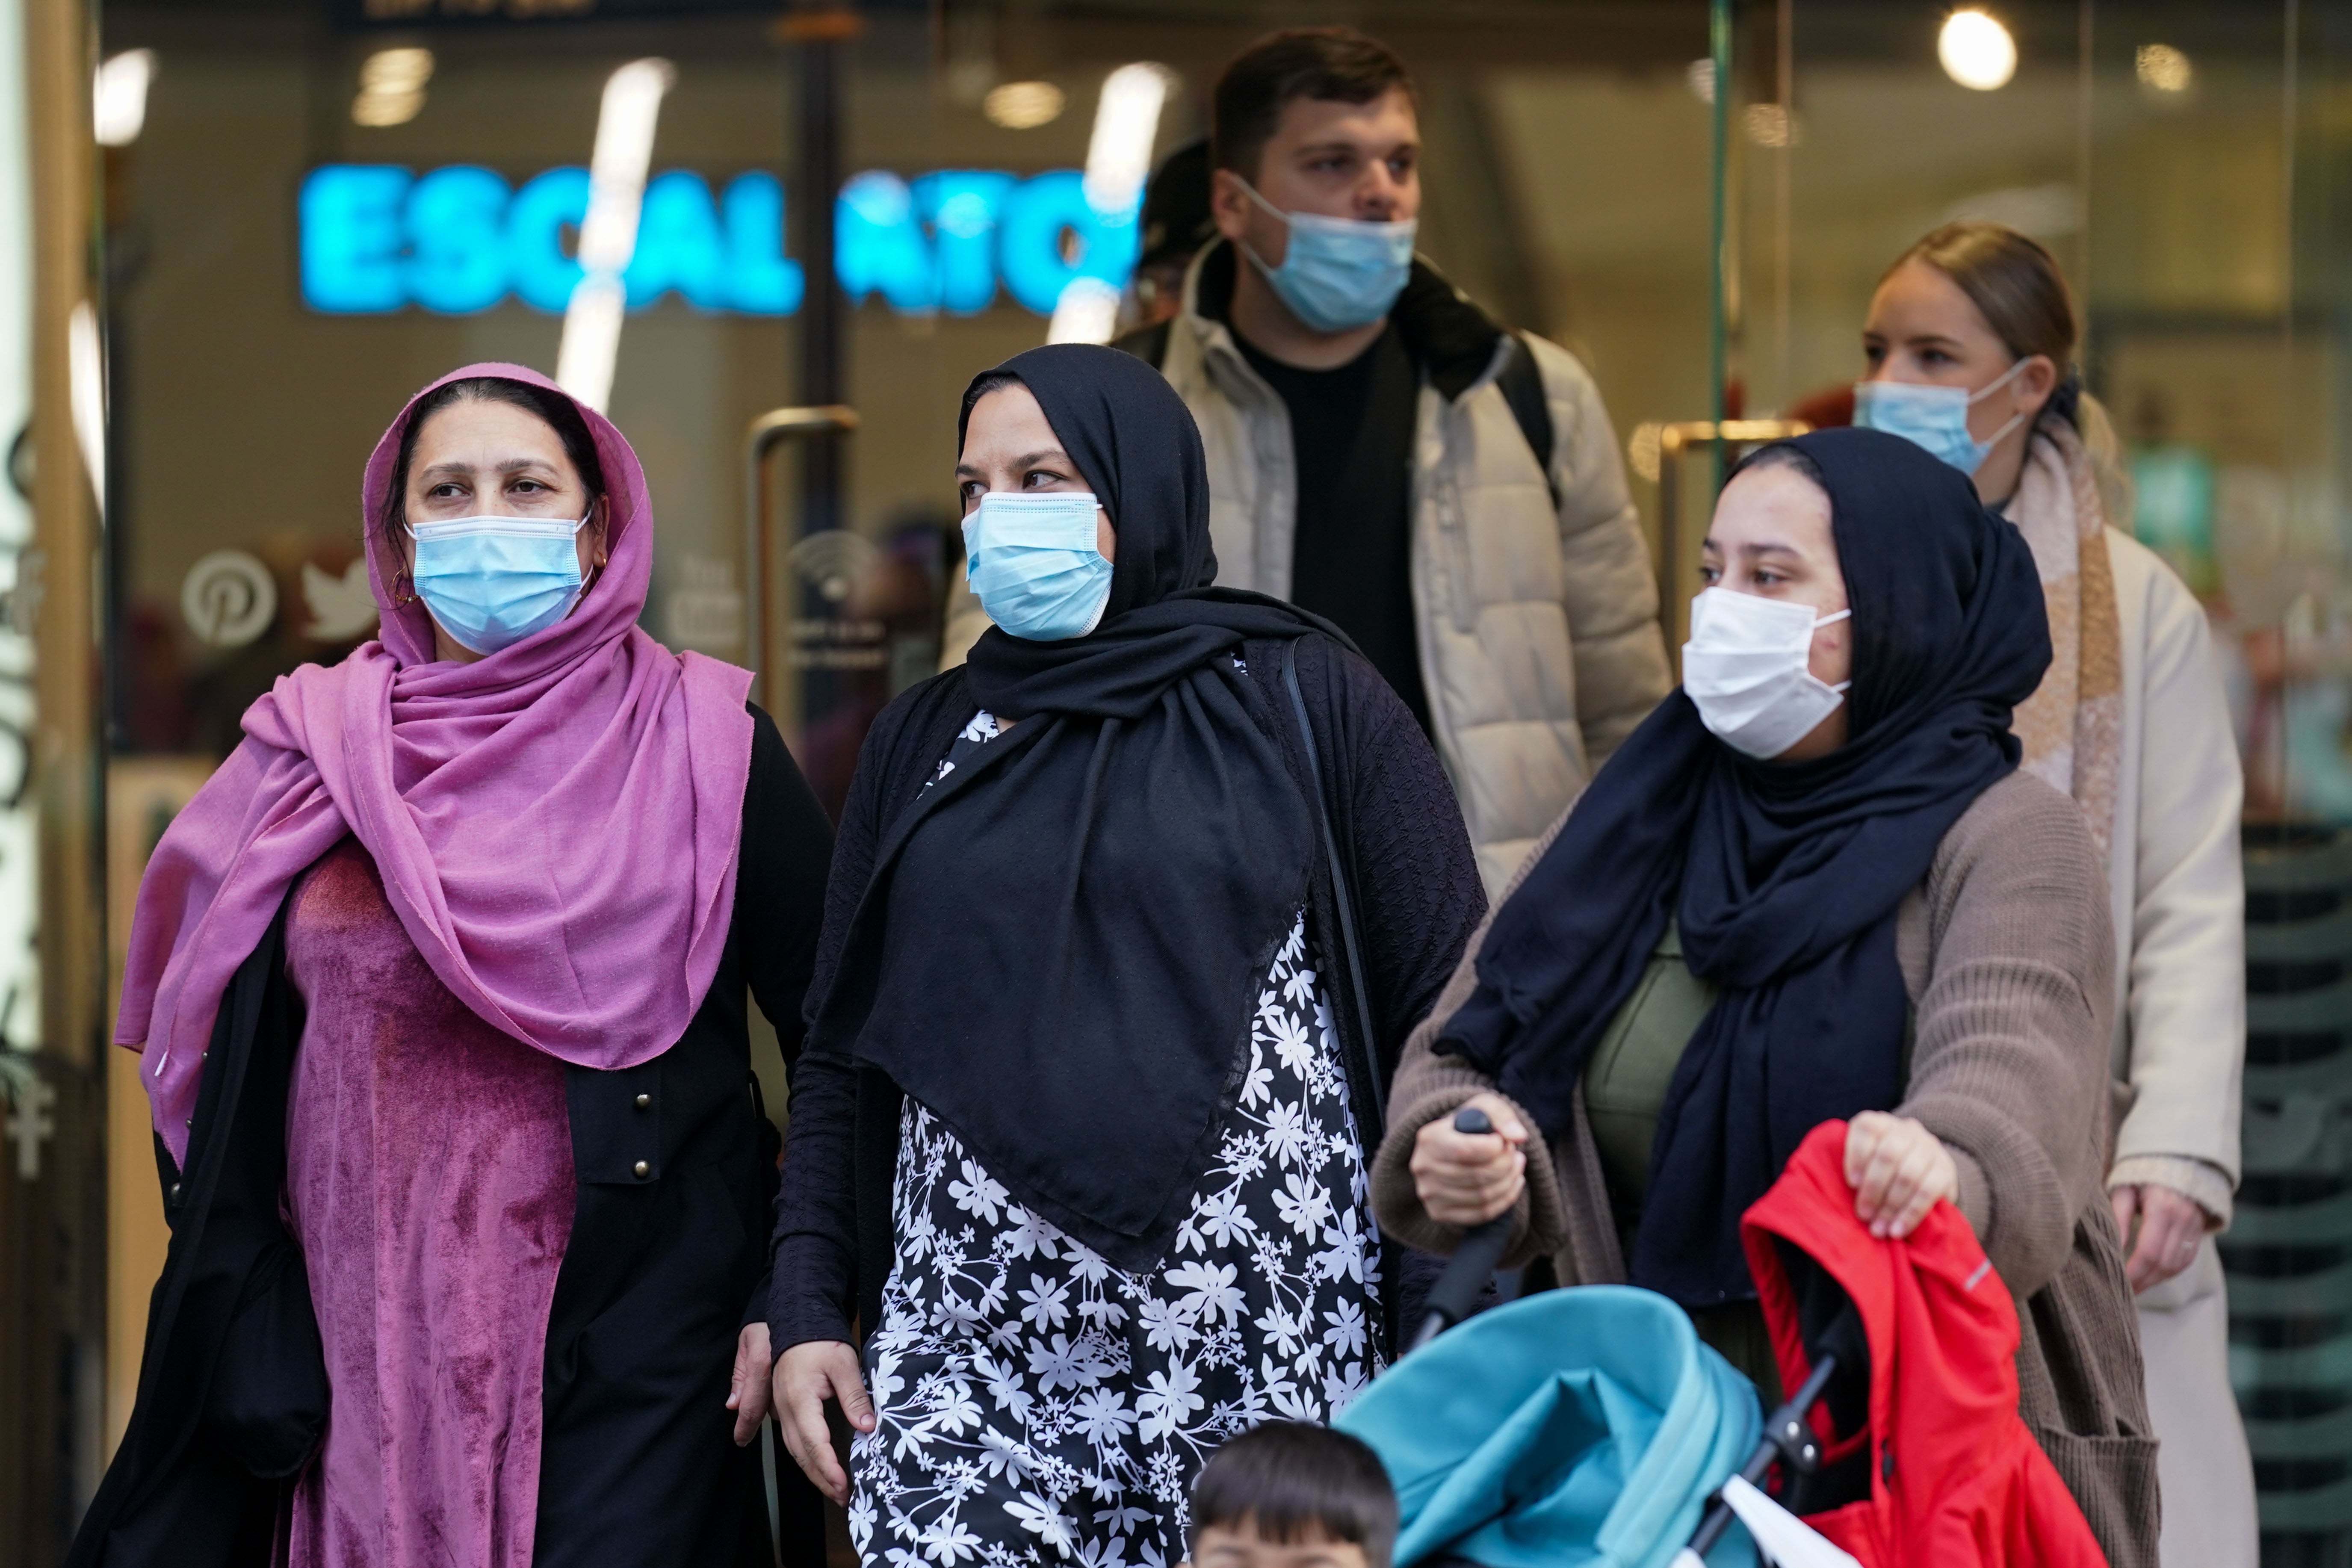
(1338, 64)
(1176, 217)
(559, 413)
(1292, 1483)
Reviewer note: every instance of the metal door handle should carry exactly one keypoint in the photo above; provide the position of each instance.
(765, 432)
(1673, 440)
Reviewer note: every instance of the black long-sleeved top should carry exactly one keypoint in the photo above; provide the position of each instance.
(637, 1465)
(1408, 865)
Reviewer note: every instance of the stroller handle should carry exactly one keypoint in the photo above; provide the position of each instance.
(1472, 1263)
(1786, 1438)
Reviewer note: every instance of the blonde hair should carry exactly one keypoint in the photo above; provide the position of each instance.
(2018, 287)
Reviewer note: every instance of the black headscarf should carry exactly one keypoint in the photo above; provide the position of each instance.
(1785, 877)
(1059, 952)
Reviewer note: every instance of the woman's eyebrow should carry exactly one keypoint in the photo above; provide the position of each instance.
(512, 466)
(1751, 551)
(1026, 460)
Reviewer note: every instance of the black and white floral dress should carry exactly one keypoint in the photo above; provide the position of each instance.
(1035, 1405)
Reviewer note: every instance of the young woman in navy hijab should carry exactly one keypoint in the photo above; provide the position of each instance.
(1813, 886)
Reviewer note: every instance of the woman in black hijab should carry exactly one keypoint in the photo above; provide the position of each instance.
(1129, 917)
(1813, 886)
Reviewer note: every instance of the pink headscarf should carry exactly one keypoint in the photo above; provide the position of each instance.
(556, 825)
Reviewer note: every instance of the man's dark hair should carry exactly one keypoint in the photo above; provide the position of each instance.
(1339, 64)
(1294, 1484)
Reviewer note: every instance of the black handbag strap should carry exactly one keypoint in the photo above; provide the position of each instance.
(1369, 1053)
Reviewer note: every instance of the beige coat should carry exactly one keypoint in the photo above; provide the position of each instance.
(2006, 951)
(2177, 1052)
(1540, 641)
(2178, 891)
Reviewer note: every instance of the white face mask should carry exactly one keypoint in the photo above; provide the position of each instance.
(1745, 666)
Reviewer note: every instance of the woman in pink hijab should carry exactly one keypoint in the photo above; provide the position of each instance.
(439, 992)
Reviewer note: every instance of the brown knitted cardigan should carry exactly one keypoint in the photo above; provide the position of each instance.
(2006, 951)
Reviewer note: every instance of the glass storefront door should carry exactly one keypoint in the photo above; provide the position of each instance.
(327, 206)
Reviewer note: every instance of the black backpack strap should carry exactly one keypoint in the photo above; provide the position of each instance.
(1149, 344)
(1370, 1127)
(1521, 384)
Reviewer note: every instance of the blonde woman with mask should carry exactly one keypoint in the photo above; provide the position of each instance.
(1971, 342)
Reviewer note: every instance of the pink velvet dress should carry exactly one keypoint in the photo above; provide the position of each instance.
(429, 1179)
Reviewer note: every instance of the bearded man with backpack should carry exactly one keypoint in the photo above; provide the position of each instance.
(1384, 453)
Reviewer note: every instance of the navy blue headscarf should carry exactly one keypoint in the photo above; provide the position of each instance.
(1059, 952)
(1785, 877)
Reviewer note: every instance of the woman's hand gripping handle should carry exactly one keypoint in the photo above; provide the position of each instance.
(1468, 1177)
(1488, 1237)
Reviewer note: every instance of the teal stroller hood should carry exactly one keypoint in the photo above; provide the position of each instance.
(1586, 1426)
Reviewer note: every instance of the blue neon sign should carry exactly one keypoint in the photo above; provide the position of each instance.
(376, 237)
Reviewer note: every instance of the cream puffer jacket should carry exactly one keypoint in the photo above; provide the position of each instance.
(1540, 641)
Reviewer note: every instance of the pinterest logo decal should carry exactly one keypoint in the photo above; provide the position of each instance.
(228, 599)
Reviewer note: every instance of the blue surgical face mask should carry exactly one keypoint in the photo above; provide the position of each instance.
(1934, 417)
(491, 582)
(1031, 560)
(1339, 272)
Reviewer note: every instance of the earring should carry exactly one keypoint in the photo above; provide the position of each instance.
(399, 598)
